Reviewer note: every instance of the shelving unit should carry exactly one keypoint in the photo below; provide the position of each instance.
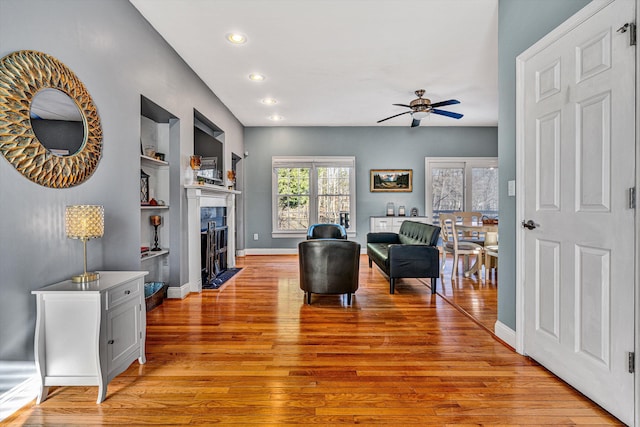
(156, 136)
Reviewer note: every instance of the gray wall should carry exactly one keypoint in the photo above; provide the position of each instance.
(520, 24)
(118, 56)
(373, 147)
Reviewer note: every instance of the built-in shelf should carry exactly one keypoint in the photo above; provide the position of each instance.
(211, 188)
(152, 161)
(153, 254)
(150, 207)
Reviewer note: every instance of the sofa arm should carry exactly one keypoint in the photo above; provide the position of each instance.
(414, 261)
(383, 237)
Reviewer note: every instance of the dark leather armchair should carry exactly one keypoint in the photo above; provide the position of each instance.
(329, 266)
(326, 231)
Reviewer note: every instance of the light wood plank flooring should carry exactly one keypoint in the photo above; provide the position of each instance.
(252, 353)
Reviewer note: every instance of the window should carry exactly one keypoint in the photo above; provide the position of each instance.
(461, 184)
(311, 190)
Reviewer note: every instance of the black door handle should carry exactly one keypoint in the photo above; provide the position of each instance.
(529, 225)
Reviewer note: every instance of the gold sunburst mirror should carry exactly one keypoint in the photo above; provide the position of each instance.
(49, 126)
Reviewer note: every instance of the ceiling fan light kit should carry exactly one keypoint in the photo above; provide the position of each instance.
(422, 107)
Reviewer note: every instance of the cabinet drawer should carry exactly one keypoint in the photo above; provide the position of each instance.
(122, 293)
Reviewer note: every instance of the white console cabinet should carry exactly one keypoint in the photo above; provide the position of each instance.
(392, 223)
(86, 334)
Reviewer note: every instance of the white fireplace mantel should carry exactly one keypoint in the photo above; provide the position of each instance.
(202, 196)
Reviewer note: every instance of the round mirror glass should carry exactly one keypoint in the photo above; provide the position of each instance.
(57, 122)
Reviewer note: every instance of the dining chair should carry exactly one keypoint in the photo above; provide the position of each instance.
(451, 243)
(490, 259)
(471, 217)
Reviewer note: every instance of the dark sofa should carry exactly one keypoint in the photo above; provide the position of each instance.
(412, 252)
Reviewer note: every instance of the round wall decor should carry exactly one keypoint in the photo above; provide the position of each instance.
(23, 74)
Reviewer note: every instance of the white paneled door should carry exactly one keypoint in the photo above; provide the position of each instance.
(576, 93)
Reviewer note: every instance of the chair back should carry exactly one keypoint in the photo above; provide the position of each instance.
(326, 231)
(468, 217)
(329, 266)
(448, 230)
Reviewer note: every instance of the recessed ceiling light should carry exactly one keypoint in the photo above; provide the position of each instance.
(256, 77)
(236, 38)
(269, 101)
(276, 118)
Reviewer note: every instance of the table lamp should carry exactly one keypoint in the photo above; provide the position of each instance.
(84, 222)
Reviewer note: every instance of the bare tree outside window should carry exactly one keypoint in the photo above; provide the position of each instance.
(448, 190)
(333, 193)
(462, 184)
(485, 190)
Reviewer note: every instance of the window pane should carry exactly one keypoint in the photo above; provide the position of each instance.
(333, 193)
(293, 198)
(485, 191)
(448, 191)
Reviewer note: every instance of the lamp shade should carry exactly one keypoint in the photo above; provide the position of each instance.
(84, 221)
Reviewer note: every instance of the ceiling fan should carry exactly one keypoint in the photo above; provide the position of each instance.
(421, 107)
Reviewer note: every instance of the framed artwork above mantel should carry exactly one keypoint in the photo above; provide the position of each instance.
(391, 180)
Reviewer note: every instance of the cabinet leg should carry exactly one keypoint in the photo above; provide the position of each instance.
(102, 393)
(42, 394)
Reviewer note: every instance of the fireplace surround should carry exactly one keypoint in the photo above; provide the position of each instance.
(199, 196)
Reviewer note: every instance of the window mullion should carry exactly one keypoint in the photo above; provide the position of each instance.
(313, 195)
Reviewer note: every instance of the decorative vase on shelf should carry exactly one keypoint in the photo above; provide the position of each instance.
(195, 162)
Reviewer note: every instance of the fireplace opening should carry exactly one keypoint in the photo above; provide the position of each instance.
(213, 242)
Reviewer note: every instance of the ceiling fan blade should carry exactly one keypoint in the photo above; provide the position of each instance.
(443, 103)
(447, 113)
(415, 123)
(402, 105)
(406, 112)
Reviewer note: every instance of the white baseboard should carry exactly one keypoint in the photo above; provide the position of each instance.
(240, 253)
(505, 333)
(179, 292)
(271, 251)
(18, 396)
(281, 251)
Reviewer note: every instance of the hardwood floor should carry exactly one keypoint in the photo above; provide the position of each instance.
(474, 296)
(252, 353)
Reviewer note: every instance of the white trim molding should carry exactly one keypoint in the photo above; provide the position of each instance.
(178, 292)
(505, 333)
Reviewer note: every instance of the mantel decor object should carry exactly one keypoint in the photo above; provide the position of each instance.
(84, 222)
(155, 220)
(144, 187)
(23, 75)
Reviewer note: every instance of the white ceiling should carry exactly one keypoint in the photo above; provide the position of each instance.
(339, 62)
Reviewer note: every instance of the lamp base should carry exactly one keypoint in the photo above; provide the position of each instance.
(85, 277)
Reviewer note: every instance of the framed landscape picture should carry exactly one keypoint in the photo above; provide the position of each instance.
(391, 180)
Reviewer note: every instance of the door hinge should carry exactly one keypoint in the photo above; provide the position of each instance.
(140, 334)
(631, 362)
(631, 27)
(632, 198)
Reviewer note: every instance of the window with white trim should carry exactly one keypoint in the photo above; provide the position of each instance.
(311, 190)
(461, 184)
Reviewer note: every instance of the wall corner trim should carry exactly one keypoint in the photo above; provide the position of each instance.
(505, 333)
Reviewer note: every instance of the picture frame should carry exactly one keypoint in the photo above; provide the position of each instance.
(391, 180)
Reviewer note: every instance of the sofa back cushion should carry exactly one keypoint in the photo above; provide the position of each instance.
(412, 232)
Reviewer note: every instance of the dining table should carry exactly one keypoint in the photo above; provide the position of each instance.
(474, 229)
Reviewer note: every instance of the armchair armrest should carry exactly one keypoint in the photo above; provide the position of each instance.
(383, 237)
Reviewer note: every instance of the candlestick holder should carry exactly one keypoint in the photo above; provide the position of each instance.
(155, 220)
